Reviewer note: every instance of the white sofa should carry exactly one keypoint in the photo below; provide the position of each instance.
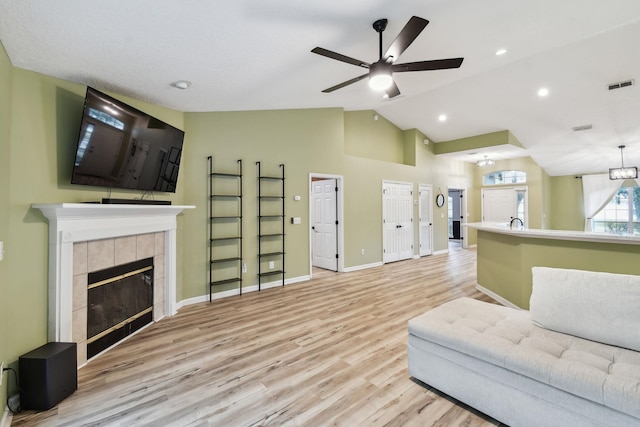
(572, 360)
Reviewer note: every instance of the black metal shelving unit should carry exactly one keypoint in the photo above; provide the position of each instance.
(225, 227)
(170, 163)
(271, 221)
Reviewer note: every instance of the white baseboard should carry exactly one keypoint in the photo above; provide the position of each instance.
(234, 292)
(362, 267)
(7, 416)
(497, 297)
(442, 252)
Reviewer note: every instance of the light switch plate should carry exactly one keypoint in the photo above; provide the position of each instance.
(1, 250)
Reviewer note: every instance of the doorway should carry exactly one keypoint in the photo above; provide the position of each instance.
(456, 213)
(397, 221)
(326, 244)
(425, 220)
(502, 205)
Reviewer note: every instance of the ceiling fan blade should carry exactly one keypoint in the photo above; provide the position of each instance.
(347, 83)
(340, 57)
(436, 64)
(393, 90)
(407, 35)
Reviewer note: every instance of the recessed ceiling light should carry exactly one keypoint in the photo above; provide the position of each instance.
(501, 52)
(542, 92)
(442, 117)
(181, 84)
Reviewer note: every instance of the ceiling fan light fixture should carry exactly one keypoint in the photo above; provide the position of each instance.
(380, 76)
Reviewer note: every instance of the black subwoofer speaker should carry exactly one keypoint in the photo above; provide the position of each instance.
(48, 374)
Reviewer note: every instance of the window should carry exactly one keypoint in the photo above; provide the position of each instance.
(82, 146)
(621, 215)
(505, 177)
(106, 118)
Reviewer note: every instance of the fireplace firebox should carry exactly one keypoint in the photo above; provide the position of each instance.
(120, 302)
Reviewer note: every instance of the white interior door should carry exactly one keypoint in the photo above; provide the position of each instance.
(503, 204)
(397, 220)
(135, 164)
(324, 244)
(102, 145)
(425, 208)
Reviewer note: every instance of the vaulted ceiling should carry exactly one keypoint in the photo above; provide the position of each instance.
(255, 55)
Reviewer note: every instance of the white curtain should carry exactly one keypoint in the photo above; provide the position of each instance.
(597, 191)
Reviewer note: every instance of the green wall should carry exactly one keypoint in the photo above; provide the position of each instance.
(567, 206)
(39, 123)
(39, 119)
(6, 351)
(505, 262)
(374, 139)
(312, 141)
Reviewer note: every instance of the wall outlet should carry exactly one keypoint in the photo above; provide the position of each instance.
(272, 265)
(363, 251)
(244, 267)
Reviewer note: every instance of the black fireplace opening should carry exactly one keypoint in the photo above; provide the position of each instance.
(120, 302)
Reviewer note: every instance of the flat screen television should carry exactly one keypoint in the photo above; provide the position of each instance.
(124, 148)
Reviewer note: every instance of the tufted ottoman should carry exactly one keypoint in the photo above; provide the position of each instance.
(498, 361)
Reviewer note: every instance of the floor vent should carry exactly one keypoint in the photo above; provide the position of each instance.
(619, 85)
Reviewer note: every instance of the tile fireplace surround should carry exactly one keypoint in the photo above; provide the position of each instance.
(78, 229)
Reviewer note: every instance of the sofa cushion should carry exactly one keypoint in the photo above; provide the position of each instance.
(507, 338)
(603, 307)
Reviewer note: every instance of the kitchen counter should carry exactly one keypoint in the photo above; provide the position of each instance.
(537, 233)
(506, 256)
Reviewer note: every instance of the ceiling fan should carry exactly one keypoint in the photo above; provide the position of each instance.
(380, 72)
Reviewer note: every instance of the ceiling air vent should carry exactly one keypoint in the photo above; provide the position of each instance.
(619, 85)
(581, 128)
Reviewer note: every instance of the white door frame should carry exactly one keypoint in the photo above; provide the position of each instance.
(428, 187)
(463, 214)
(340, 217)
(515, 189)
(410, 226)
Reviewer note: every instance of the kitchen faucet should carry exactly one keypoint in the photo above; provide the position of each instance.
(515, 219)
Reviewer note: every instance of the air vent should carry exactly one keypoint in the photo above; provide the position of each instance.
(619, 85)
(581, 128)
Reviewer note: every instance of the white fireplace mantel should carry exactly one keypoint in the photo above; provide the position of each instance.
(80, 222)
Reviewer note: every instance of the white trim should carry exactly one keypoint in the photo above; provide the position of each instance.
(340, 206)
(236, 292)
(442, 252)
(7, 416)
(463, 213)
(385, 182)
(81, 222)
(428, 187)
(497, 297)
(363, 266)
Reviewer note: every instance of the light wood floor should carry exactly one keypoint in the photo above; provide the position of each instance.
(330, 351)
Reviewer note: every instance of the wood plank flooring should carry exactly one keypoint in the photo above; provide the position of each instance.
(330, 351)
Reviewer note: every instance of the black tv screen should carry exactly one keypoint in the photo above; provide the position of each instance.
(122, 147)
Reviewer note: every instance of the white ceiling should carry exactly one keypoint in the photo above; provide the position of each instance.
(255, 55)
